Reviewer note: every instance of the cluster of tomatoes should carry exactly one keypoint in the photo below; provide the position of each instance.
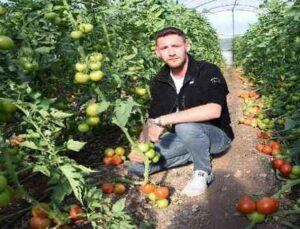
(147, 149)
(156, 195)
(42, 218)
(92, 119)
(256, 211)
(270, 148)
(5, 192)
(89, 69)
(286, 169)
(114, 156)
(116, 188)
(83, 28)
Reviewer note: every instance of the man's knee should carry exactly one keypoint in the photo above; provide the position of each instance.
(189, 130)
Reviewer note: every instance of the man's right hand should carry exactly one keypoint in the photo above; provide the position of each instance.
(135, 157)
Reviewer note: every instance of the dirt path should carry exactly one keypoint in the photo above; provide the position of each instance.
(241, 171)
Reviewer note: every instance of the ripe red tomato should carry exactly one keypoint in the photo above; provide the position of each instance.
(107, 188)
(267, 205)
(40, 210)
(285, 169)
(119, 188)
(75, 212)
(107, 161)
(161, 192)
(39, 223)
(259, 147)
(277, 163)
(274, 145)
(267, 149)
(147, 188)
(116, 160)
(246, 205)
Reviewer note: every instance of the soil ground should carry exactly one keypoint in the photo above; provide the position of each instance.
(240, 171)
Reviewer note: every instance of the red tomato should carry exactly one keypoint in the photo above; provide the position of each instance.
(259, 147)
(285, 169)
(39, 210)
(277, 163)
(116, 160)
(267, 149)
(107, 161)
(107, 188)
(161, 192)
(39, 223)
(246, 205)
(147, 188)
(75, 212)
(274, 145)
(267, 205)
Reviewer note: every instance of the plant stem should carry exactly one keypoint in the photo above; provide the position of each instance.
(287, 186)
(104, 27)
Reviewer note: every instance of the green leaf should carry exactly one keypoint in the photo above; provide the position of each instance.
(59, 114)
(75, 179)
(103, 106)
(119, 206)
(122, 112)
(30, 145)
(75, 145)
(42, 169)
(44, 50)
(290, 124)
(61, 190)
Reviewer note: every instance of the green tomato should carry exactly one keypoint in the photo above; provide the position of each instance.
(150, 153)
(95, 57)
(92, 109)
(95, 65)
(162, 203)
(256, 217)
(76, 34)
(96, 75)
(5, 197)
(86, 27)
(151, 196)
(143, 146)
(81, 77)
(7, 106)
(6, 42)
(296, 170)
(3, 10)
(50, 16)
(3, 183)
(156, 158)
(83, 127)
(81, 67)
(93, 121)
(140, 91)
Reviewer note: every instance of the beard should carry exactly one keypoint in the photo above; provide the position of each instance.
(177, 65)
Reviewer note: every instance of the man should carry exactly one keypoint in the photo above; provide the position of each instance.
(190, 96)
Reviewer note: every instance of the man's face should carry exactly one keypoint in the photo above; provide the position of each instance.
(172, 49)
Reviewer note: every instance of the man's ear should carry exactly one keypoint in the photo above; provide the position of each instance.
(188, 46)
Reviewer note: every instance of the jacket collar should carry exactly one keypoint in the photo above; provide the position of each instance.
(164, 74)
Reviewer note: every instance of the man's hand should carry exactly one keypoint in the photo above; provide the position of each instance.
(154, 132)
(135, 157)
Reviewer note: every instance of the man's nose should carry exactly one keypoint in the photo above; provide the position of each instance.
(171, 52)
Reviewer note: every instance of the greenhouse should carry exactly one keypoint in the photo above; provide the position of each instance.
(150, 114)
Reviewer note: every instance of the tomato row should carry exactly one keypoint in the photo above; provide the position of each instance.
(114, 156)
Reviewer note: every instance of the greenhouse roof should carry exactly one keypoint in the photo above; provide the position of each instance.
(228, 17)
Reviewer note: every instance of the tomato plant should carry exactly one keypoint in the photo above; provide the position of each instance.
(256, 217)
(147, 188)
(76, 213)
(107, 188)
(119, 188)
(161, 192)
(39, 223)
(40, 210)
(162, 203)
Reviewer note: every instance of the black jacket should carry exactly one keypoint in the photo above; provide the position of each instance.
(203, 83)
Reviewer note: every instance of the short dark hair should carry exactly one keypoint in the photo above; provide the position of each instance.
(168, 31)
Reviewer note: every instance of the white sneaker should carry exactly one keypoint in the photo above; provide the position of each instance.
(198, 184)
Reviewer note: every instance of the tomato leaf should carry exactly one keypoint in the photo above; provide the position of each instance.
(59, 114)
(122, 111)
(42, 169)
(75, 145)
(119, 206)
(30, 145)
(61, 189)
